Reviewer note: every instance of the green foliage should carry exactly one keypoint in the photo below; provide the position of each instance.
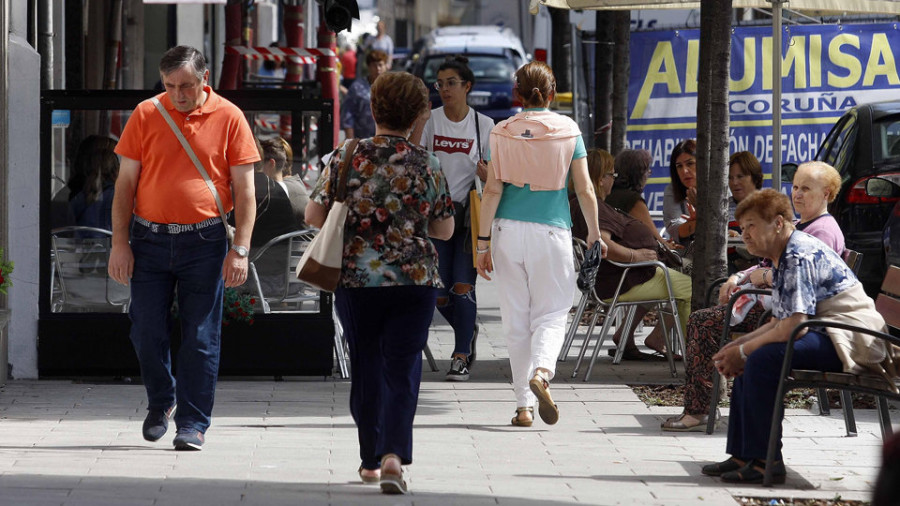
(236, 307)
(6, 268)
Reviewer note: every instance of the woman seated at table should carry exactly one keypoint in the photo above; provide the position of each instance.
(815, 185)
(632, 168)
(680, 196)
(810, 281)
(744, 177)
(629, 241)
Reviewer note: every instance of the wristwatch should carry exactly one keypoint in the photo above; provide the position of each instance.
(240, 250)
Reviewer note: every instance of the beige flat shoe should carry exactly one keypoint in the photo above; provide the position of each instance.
(369, 475)
(391, 482)
(520, 422)
(548, 410)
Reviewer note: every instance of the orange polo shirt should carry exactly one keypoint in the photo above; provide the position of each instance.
(170, 189)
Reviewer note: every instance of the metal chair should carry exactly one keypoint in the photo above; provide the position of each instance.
(663, 306)
(579, 248)
(587, 304)
(81, 281)
(272, 275)
(278, 289)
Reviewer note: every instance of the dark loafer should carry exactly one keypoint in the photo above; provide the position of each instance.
(727, 466)
(156, 424)
(755, 471)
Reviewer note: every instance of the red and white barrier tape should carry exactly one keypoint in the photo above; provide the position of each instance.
(295, 54)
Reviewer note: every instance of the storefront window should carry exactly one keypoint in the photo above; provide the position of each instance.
(83, 170)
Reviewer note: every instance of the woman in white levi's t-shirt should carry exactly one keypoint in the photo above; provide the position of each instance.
(452, 135)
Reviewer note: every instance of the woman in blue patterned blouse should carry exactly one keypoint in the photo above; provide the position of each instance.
(396, 198)
(809, 280)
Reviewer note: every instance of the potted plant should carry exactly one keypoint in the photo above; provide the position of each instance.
(237, 307)
(6, 268)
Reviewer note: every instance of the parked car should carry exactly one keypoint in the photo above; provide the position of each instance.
(494, 55)
(401, 59)
(865, 144)
(878, 187)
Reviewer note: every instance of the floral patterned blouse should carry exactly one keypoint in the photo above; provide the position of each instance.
(393, 190)
(808, 272)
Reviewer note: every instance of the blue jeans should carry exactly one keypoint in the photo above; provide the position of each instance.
(386, 330)
(455, 267)
(192, 263)
(753, 394)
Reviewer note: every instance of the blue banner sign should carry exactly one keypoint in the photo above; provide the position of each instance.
(826, 70)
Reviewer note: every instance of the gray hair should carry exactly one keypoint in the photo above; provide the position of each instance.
(180, 56)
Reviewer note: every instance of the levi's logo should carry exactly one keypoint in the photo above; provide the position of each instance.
(451, 145)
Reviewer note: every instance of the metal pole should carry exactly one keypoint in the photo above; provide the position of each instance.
(4, 132)
(31, 32)
(45, 42)
(776, 94)
(573, 70)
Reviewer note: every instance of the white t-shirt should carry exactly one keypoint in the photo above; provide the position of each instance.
(454, 145)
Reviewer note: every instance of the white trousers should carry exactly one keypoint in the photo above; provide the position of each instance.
(535, 276)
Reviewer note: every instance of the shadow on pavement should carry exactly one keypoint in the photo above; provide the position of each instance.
(54, 489)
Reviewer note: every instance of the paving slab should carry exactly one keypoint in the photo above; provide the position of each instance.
(78, 442)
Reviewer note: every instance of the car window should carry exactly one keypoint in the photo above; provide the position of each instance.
(837, 150)
(887, 140)
(487, 69)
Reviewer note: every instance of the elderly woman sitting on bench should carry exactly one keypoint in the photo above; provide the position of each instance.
(810, 280)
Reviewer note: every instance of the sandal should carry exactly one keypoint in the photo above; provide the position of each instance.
(727, 466)
(678, 423)
(392, 483)
(755, 471)
(369, 475)
(540, 387)
(633, 354)
(662, 352)
(519, 422)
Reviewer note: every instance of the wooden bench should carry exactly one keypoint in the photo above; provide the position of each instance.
(888, 305)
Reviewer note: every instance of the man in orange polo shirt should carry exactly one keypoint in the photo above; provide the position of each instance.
(178, 243)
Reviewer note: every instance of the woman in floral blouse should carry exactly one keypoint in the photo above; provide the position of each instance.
(809, 280)
(397, 198)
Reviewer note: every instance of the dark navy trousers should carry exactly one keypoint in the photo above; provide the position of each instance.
(192, 262)
(386, 330)
(753, 394)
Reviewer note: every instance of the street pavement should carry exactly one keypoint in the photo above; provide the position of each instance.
(294, 442)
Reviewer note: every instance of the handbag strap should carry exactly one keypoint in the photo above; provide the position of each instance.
(193, 157)
(478, 145)
(477, 134)
(340, 193)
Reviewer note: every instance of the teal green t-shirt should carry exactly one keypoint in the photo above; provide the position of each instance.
(547, 207)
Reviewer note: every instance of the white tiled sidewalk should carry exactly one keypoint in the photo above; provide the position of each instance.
(293, 442)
